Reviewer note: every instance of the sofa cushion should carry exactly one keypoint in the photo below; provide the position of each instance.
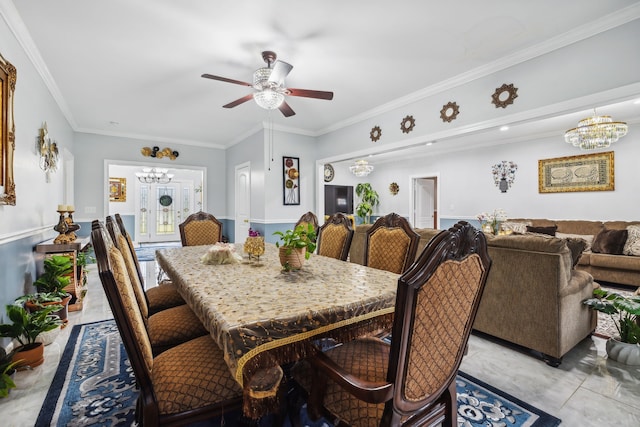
(609, 241)
(515, 226)
(588, 239)
(528, 242)
(576, 246)
(616, 262)
(550, 230)
(632, 245)
(579, 227)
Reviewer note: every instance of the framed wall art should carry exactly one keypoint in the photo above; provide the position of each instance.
(589, 172)
(291, 180)
(7, 132)
(117, 189)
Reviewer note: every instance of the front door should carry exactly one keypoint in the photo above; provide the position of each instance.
(160, 212)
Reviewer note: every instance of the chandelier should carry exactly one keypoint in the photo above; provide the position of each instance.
(154, 175)
(361, 168)
(595, 132)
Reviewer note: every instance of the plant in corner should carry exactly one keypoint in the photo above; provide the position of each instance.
(25, 329)
(625, 313)
(7, 368)
(295, 246)
(369, 199)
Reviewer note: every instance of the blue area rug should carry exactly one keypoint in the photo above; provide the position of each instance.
(148, 252)
(94, 385)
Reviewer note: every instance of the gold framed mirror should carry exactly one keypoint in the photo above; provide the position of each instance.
(7, 132)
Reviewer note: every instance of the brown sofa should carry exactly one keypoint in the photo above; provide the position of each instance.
(623, 269)
(533, 295)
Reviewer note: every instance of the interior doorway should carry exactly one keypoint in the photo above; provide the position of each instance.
(424, 202)
(242, 216)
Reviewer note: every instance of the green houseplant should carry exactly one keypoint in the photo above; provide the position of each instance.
(58, 271)
(25, 329)
(7, 368)
(369, 199)
(625, 313)
(295, 246)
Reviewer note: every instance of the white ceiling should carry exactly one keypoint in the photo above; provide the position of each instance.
(132, 68)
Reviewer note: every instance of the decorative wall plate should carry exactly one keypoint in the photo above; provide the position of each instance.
(407, 124)
(329, 173)
(394, 188)
(375, 133)
(449, 112)
(504, 95)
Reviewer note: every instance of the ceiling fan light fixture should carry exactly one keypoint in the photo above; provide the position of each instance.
(595, 132)
(268, 99)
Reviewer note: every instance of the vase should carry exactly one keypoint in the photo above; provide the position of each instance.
(623, 352)
(293, 260)
(30, 355)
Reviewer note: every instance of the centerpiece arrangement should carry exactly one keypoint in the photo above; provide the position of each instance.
(490, 223)
(295, 246)
(625, 313)
(221, 253)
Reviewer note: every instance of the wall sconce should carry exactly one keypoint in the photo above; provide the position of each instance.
(155, 152)
(48, 151)
(504, 173)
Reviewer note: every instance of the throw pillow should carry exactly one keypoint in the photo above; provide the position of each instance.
(609, 242)
(632, 245)
(576, 246)
(515, 227)
(551, 231)
(588, 238)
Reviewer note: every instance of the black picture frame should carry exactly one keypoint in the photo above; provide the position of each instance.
(290, 180)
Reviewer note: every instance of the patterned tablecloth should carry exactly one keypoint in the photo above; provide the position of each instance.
(254, 307)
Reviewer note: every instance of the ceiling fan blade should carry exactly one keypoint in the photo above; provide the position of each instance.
(239, 101)
(286, 109)
(318, 94)
(280, 70)
(224, 79)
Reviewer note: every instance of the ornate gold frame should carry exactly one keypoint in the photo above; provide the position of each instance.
(8, 75)
(117, 189)
(588, 172)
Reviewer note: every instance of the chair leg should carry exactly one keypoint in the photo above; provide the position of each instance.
(451, 406)
(316, 395)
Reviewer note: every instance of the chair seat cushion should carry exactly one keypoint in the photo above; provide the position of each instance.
(163, 297)
(193, 375)
(173, 326)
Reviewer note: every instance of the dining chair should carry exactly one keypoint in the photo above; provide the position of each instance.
(391, 244)
(158, 297)
(185, 384)
(334, 237)
(166, 328)
(200, 228)
(411, 380)
(306, 219)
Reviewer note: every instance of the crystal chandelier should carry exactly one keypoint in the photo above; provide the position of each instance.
(268, 96)
(154, 175)
(361, 168)
(595, 132)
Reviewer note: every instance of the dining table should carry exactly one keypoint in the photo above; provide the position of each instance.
(263, 317)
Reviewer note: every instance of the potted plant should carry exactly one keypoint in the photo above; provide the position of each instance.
(25, 329)
(368, 200)
(7, 369)
(58, 273)
(295, 246)
(625, 313)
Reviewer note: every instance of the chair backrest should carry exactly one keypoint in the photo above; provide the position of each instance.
(391, 244)
(308, 218)
(334, 237)
(126, 312)
(126, 234)
(200, 228)
(436, 304)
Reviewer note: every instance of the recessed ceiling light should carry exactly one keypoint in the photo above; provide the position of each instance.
(503, 128)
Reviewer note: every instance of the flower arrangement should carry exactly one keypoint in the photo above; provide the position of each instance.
(491, 222)
(221, 253)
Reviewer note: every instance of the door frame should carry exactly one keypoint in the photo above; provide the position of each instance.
(413, 179)
(235, 197)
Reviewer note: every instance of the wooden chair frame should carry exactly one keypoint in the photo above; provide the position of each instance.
(339, 219)
(199, 216)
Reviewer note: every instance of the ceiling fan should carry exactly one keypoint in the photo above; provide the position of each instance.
(268, 83)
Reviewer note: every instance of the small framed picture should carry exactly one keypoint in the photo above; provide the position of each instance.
(291, 180)
(117, 189)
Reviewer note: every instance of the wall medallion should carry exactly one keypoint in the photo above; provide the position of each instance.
(375, 133)
(407, 124)
(449, 112)
(504, 95)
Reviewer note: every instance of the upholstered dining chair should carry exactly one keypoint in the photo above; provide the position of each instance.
(185, 384)
(308, 218)
(200, 228)
(410, 381)
(166, 328)
(391, 244)
(334, 237)
(158, 297)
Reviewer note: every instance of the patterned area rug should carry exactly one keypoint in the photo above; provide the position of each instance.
(94, 385)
